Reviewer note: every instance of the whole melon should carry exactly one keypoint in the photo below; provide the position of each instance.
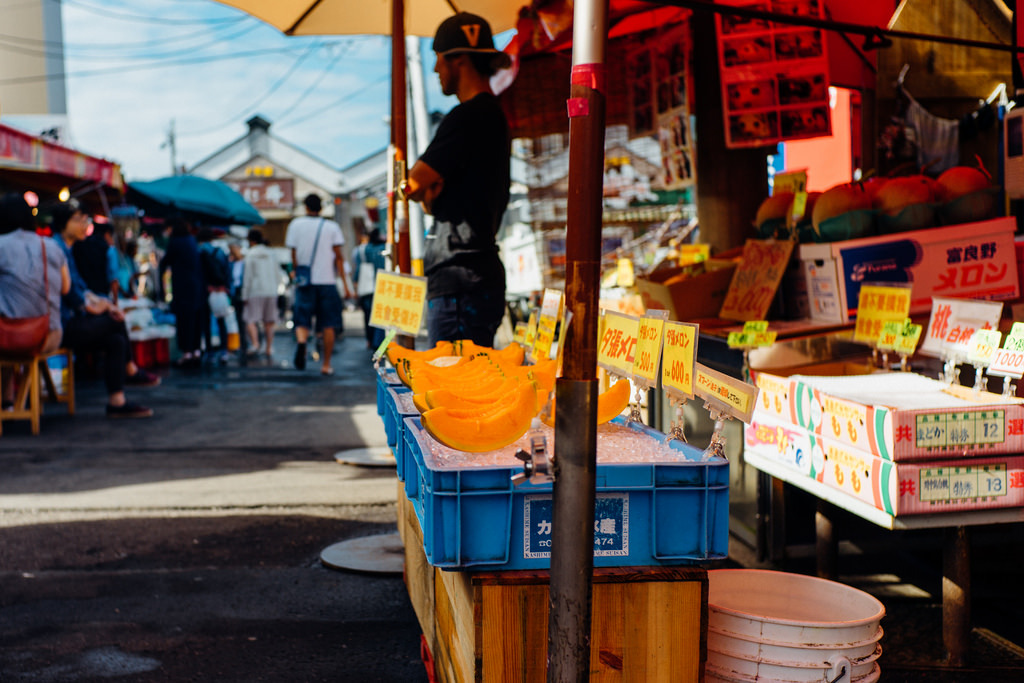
(773, 207)
(838, 200)
(958, 181)
(899, 193)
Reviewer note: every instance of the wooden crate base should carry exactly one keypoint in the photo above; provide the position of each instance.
(647, 623)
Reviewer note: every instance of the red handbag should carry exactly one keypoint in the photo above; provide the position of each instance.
(25, 336)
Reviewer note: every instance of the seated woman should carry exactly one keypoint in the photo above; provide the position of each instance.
(23, 286)
(94, 323)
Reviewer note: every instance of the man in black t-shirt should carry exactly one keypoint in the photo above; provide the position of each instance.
(462, 179)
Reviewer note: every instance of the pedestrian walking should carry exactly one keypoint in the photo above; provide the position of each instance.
(260, 276)
(317, 263)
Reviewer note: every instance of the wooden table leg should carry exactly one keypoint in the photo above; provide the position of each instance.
(956, 595)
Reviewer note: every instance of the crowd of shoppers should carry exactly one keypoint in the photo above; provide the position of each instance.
(81, 274)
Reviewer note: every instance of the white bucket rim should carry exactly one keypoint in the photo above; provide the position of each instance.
(873, 656)
(784, 643)
(867, 597)
(871, 677)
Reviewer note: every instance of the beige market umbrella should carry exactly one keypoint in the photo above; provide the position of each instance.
(372, 17)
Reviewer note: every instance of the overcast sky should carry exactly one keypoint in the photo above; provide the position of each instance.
(135, 65)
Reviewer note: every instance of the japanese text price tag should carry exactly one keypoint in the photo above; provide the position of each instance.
(531, 328)
(755, 333)
(876, 305)
(520, 332)
(952, 323)
(790, 181)
(550, 312)
(733, 397)
(1007, 363)
(678, 356)
(1015, 339)
(616, 345)
(891, 331)
(906, 341)
(982, 347)
(398, 302)
(756, 279)
(647, 357)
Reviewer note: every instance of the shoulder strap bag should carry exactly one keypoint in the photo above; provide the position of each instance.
(25, 336)
(304, 274)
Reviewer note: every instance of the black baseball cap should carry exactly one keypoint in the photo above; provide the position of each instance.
(466, 33)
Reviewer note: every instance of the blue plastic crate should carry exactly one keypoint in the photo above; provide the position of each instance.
(386, 377)
(646, 514)
(394, 413)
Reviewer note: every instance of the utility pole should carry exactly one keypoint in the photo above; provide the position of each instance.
(170, 142)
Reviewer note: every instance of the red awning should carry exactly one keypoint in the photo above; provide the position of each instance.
(30, 163)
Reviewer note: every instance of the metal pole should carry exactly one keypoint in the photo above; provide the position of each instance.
(572, 533)
(400, 213)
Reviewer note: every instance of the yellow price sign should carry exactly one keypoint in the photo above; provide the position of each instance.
(650, 333)
(617, 339)
(398, 302)
(906, 343)
(876, 305)
(531, 329)
(891, 331)
(678, 356)
(520, 332)
(547, 322)
(790, 181)
(755, 333)
(732, 396)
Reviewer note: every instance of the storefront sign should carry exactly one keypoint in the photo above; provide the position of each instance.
(680, 352)
(617, 339)
(877, 305)
(21, 151)
(266, 193)
(398, 302)
(756, 279)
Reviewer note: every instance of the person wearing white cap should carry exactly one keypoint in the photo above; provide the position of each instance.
(462, 179)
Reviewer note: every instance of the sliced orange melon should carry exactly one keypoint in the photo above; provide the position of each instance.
(610, 404)
(396, 352)
(478, 435)
(420, 401)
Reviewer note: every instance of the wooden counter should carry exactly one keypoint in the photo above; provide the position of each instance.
(648, 624)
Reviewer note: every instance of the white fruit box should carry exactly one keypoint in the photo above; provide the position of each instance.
(898, 416)
(915, 488)
(971, 260)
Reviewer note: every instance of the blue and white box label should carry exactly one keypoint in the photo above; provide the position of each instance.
(611, 525)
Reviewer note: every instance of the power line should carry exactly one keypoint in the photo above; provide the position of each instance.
(42, 43)
(141, 67)
(73, 54)
(313, 86)
(273, 88)
(106, 12)
(346, 98)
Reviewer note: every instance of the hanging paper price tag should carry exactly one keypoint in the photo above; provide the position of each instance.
(982, 347)
(876, 305)
(1015, 339)
(729, 395)
(678, 356)
(647, 357)
(398, 302)
(617, 341)
(550, 312)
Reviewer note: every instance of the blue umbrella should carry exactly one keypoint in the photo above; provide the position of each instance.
(211, 200)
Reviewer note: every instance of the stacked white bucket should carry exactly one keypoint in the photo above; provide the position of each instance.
(779, 627)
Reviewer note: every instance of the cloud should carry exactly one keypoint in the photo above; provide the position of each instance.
(134, 66)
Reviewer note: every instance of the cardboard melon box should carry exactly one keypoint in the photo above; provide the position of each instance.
(898, 416)
(970, 261)
(914, 488)
(686, 296)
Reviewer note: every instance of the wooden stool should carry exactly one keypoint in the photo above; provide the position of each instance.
(27, 399)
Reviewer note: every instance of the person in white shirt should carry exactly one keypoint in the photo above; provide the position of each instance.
(317, 263)
(260, 275)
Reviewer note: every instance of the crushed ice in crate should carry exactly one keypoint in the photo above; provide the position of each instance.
(405, 404)
(616, 443)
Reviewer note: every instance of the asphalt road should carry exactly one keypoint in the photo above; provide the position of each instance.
(186, 547)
